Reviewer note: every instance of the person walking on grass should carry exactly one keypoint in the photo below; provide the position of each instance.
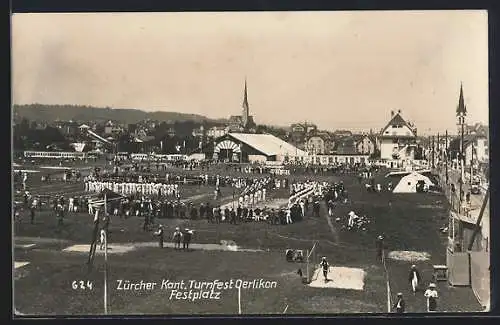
(102, 239)
(325, 266)
(177, 237)
(161, 236)
(380, 247)
(414, 278)
(32, 213)
(432, 295)
(400, 304)
(186, 238)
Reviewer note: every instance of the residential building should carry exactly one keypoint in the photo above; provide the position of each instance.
(319, 143)
(300, 132)
(477, 129)
(69, 128)
(198, 132)
(217, 131)
(397, 140)
(345, 146)
(476, 148)
(316, 145)
(365, 144)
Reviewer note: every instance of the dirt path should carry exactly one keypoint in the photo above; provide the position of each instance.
(124, 248)
(39, 240)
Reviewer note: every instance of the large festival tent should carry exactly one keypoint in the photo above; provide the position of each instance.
(408, 183)
(262, 147)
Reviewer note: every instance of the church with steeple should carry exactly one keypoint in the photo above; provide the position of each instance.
(243, 122)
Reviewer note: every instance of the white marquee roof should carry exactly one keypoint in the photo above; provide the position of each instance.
(268, 144)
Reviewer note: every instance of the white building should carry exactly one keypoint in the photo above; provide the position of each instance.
(475, 148)
(217, 131)
(397, 140)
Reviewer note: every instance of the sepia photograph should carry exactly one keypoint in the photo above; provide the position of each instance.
(250, 163)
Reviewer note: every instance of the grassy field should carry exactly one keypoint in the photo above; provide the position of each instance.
(411, 222)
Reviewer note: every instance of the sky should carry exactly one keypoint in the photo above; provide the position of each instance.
(339, 70)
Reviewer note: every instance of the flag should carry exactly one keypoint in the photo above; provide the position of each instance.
(93, 243)
(200, 145)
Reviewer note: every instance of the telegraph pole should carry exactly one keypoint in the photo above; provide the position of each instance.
(471, 163)
(439, 149)
(446, 154)
(432, 153)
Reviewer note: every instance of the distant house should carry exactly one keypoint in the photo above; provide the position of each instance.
(217, 131)
(477, 129)
(113, 129)
(315, 145)
(319, 143)
(171, 132)
(475, 148)
(108, 127)
(397, 140)
(69, 128)
(345, 146)
(300, 132)
(366, 144)
(84, 127)
(199, 132)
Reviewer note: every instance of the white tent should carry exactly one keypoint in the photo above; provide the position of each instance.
(408, 184)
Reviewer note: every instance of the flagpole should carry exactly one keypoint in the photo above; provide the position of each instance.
(105, 272)
(446, 155)
(105, 257)
(239, 301)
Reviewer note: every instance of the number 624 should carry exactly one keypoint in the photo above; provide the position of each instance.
(82, 285)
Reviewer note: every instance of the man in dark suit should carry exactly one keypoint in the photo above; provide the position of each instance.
(400, 304)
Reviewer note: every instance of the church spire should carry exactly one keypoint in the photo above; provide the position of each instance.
(461, 108)
(245, 106)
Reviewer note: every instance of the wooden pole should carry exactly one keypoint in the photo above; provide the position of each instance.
(105, 273)
(446, 153)
(471, 162)
(239, 300)
(432, 153)
(438, 148)
(462, 160)
(479, 218)
(105, 258)
(307, 265)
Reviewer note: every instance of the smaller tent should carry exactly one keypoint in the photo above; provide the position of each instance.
(408, 184)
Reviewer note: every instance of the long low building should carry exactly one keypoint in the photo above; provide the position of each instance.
(249, 147)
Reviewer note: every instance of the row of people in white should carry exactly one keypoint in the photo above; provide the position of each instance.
(251, 199)
(254, 193)
(303, 190)
(133, 188)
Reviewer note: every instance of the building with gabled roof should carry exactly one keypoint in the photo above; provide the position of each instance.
(476, 149)
(365, 144)
(397, 140)
(248, 147)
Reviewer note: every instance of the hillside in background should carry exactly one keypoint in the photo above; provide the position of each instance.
(41, 112)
